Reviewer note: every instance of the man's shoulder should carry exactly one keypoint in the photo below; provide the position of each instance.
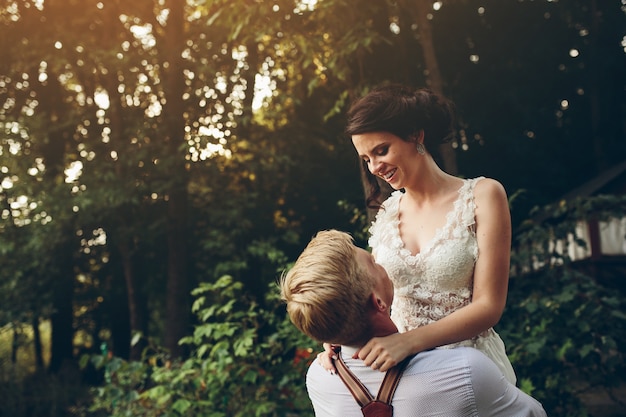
(319, 377)
(433, 361)
(445, 358)
(329, 396)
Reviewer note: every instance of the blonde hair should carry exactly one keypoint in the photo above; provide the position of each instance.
(327, 291)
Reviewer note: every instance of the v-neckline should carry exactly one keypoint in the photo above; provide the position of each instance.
(439, 232)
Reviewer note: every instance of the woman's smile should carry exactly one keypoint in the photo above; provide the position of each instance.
(388, 175)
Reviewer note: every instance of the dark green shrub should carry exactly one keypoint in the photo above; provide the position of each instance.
(43, 394)
(564, 326)
(247, 360)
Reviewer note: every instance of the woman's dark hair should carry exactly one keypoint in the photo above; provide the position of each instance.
(402, 111)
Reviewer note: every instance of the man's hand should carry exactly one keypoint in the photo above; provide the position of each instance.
(382, 353)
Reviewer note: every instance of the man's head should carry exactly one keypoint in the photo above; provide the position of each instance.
(334, 289)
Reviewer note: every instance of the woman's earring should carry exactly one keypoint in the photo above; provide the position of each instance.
(420, 148)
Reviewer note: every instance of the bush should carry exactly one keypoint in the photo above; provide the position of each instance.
(43, 394)
(247, 361)
(563, 330)
(563, 326)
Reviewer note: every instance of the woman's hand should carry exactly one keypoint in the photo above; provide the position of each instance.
(383, 353)
(326, 357)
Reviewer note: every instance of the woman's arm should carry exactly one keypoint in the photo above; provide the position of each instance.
(491, 276)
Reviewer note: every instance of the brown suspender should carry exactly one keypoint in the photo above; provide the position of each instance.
(370, 406)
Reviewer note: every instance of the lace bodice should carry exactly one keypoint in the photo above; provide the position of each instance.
(438, 280)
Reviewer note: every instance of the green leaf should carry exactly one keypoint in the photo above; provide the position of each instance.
(181, 406)
(136, 338)
(618, 314)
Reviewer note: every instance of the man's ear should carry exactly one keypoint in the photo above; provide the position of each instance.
(378, 303)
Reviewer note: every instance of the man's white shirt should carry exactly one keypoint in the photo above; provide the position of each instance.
(460, 382)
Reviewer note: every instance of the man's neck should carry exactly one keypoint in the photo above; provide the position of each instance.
(381, 326)
(350, 351)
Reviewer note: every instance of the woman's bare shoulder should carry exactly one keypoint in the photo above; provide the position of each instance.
(489, 188)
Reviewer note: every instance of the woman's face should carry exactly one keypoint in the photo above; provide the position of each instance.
(387, 156)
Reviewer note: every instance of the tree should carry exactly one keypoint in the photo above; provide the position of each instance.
(521, 74)
(205, 138)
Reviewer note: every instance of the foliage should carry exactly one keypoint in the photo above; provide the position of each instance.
(246, 361)
(152, 102)
(564, 325)
(42, 395)
(98, 99)
(562, 336)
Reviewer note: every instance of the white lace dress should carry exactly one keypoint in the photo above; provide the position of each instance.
(439, 279)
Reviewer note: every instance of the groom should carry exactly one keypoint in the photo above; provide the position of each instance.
(337, 294)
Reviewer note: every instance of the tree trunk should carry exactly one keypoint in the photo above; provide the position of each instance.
(177, 303)
(15, 344)
(62, 269)
(39, 365)
(137, 321)
(597, 138)
(61, 347)
(420, 13)
(135, 313)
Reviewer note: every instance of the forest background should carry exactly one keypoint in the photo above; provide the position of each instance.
(162, 162)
